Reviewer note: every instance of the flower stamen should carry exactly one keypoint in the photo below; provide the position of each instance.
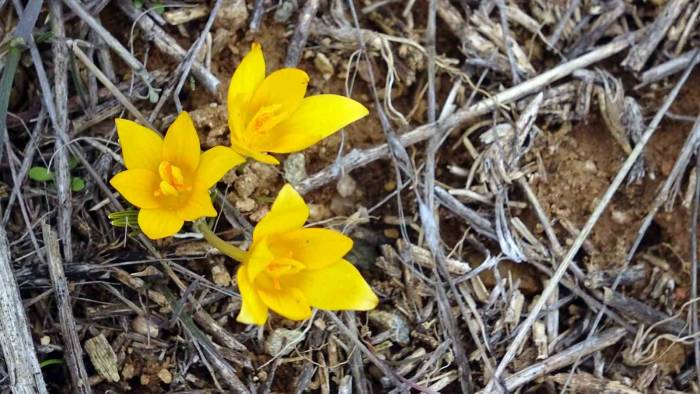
(266, 118)
(172, 180)
(282, 267)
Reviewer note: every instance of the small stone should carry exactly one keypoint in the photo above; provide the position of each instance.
(144, 326)
(620, 217)
(318, 212)
(346, 186)
(232, 15)
(145, 380)
(284, 11)
(320, 324)
(589, 165)
(324, 65)
(341, 206)
(246, 184)
(230, 177)
(246, 204)
(390, 186)
(282, 341)
(45, 340)
(393, 322)
(295, 168)
(165, 376)
(391, 233)
(220, 275)
(129, 371)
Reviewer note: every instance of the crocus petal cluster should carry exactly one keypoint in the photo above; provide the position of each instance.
(270, 113)
(169, 178)
(290, 269)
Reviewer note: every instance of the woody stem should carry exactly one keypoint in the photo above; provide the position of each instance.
(224, 247)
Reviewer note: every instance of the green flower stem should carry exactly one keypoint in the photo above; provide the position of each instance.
(226, 248)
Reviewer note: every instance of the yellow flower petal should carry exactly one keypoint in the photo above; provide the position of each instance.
(257, 156)
(141, 146)
(159, 223)
(314, 247)
(214, 164)
(288, 302)
(288, 212)
(137, 187)
(181, 144)
(253, 310)
(316, 118)
(197, 205)
(284, 88)
(338, 286)
(246, 79)
(259, 257)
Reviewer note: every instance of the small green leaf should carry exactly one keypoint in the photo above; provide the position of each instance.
(72, 162)
(43, 37)
(128, 218)
(41, 174)
(50, 361)
(77, 184)
(159, 9)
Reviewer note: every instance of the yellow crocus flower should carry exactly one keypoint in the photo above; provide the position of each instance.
(289, 268)
(169, 178)
(271, 114)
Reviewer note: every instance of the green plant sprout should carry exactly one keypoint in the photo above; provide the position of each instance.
(43, 174)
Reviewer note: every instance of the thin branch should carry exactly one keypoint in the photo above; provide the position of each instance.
(167, 44)
(694, 265)
(662, 196)
(192, 53)
(586, 230)
(16, 341)
(72, 347)
(301, 33)
(398, 380)
(258, 12)
(359, 158)
(63, 179)
(564, 358)
(109, 85)
(109, 39)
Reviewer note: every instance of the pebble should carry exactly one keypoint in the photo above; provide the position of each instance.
(589, 165)
(284, 11)
(220, 275)
(165, 376)
(346, 186)
(341, 206)
(318, 212)
(393, 322)
(295, 168)
(391, 233)
(324, 65)
(232, 15)
(144, 326)
(620, 217)
(246, 204)
(277, 343)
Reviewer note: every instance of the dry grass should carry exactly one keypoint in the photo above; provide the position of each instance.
(523, 197)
